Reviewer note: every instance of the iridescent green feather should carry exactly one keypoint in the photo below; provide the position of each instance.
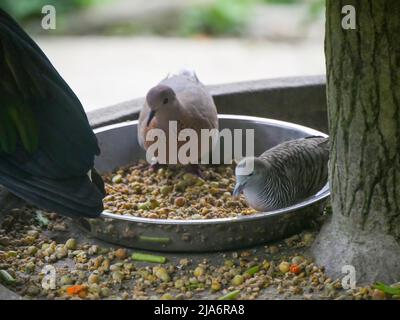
(39, 110)
(25, 124)
(17, 119)
(8, 134)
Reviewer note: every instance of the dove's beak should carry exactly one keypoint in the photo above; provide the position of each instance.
(151, 116)
(238, 189)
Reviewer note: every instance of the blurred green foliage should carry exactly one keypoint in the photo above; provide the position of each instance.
(282, 1)
(316, 6)
(26, 9)
(229, 17)
(223, 17)
(219, 18)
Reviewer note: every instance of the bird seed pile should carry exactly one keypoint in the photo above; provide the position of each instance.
(173, 193)
(41, 259)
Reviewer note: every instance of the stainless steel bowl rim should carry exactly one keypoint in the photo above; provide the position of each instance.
(324, 193)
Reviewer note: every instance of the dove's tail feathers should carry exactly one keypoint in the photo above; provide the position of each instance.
(73, 197)
(324, 141)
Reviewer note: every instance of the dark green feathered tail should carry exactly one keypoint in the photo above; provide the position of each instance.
(47, 147)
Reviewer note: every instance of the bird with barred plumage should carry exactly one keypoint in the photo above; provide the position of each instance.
(285, 174)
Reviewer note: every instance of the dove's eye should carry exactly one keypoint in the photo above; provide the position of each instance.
(165, 101)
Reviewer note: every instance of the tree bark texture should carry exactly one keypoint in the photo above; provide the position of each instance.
(363, 94)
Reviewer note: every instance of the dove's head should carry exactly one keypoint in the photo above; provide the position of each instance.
(250, 175)
(160, 98)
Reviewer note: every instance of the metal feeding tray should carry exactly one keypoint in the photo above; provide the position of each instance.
(119, 147)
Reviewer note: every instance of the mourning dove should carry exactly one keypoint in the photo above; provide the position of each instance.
(47, 147)
(284, 175)
(182, 98)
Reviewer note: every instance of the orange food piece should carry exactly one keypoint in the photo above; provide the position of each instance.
(294, 268)
(79, 290)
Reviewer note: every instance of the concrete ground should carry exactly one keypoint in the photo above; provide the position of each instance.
(107, 70)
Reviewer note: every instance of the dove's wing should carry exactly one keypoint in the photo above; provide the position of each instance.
(303, 162)
(199, 108)
(142, 124)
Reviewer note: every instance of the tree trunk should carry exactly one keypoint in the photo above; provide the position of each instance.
(363, 93)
